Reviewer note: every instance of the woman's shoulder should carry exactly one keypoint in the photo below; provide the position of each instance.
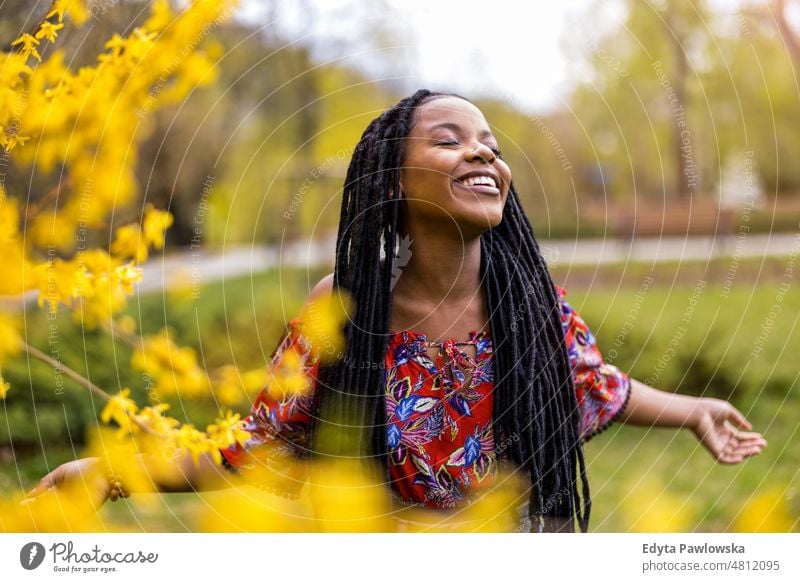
(322, 288)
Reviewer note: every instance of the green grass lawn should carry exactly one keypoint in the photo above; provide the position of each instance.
(641, 479)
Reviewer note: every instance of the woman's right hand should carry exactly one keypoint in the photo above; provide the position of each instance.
(81, 476)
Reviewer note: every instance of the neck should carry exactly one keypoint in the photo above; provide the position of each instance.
(446, 268)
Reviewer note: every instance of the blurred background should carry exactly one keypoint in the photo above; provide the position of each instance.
(654, 146)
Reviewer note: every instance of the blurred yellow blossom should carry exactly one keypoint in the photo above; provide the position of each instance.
(4, 388)
(10, 340)
(126, 275)
(52, 229)
(252, 510)
(322, 322)
(289, 377)
(155, 224)
(348, 498)
(120, 456)
(228, 388)
(130, 243)
(72, 509)
(154, 418)
(650, 508)
(61, 281)
(174, 369)
(193, 441)
(766, 511)
(126, 324)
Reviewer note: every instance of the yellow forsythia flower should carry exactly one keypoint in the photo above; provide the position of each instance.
(227, 431)
(153, 417)
(62, 281)
(120, 409)
(28, 44)
(126, 275)
(48, 30)
(173, 369)
(191, 440)
(155, 224)
(129, 242)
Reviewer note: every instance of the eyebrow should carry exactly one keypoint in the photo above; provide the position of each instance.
(458, 129)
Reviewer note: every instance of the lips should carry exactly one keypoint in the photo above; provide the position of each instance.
(479, 182)
(485, 190)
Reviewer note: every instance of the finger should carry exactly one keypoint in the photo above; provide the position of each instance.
(738, 419)
(730, 458)
(748, 435)
(41, 487)
(752, 450)
(752, 440)
(737, 456)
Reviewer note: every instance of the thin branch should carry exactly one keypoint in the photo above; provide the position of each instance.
(60, 367)
(85, 382)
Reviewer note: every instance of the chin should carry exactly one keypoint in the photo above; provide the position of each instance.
(476, 225)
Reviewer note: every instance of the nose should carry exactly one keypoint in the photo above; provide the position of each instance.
(481, 151)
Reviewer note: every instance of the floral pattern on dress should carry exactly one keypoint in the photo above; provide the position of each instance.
(440, 429)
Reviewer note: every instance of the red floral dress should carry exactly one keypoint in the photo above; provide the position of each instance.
(440, 429)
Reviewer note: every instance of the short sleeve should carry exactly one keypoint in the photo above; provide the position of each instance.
(602, 389)
(279, 427)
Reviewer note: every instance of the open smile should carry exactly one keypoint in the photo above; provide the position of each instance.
(479, 186)
(483, 181)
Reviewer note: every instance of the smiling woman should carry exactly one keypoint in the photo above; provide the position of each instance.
(470, 357)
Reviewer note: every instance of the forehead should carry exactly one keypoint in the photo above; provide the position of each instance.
(449, 110)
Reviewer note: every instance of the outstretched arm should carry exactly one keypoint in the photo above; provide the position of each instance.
(715, 422)
(181, 474)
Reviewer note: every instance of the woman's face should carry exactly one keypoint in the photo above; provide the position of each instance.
(452, 175)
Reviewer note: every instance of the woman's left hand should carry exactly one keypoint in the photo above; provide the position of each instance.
(716, 427)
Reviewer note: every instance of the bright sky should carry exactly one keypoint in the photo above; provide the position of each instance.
(511, 48)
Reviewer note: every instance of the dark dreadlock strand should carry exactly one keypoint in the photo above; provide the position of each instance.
(534, 397)
(534, 394)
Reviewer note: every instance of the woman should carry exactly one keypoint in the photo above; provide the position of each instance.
(468, 354)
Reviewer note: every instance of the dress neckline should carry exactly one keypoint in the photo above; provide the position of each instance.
(474, 337)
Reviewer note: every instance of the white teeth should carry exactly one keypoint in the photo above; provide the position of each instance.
(480, 181)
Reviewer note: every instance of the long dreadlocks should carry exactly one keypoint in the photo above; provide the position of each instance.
(534, 396)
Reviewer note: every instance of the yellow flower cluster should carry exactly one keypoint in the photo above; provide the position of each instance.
(90, 121)
(132, 241)
(173, 369)
(232, 386)
(151, 429)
